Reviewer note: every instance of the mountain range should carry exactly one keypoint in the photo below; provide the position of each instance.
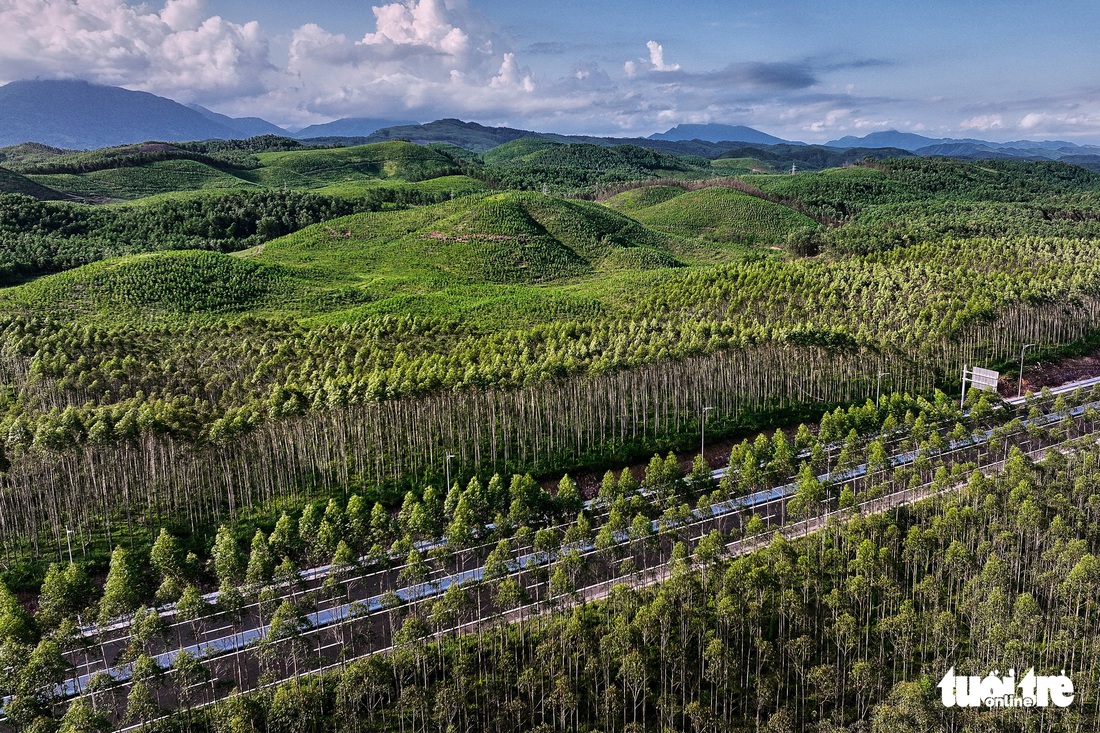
(80, 115)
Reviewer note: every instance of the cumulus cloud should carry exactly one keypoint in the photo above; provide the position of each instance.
(657, 58)
(423, 58)
(982, 122)
(179, 51)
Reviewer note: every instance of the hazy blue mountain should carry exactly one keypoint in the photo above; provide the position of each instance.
(348, 127)
(246, 127)
(77, 114)
(716, 133)
(894, 139)
(966, 147)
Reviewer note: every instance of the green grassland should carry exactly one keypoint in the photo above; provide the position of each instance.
(715, 213)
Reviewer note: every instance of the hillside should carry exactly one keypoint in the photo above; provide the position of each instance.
(509, 238)
(715, 213)
(137, 171)
(15, 183)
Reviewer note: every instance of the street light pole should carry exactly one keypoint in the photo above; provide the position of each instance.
(878, 386)
(447, 460)
(703, 434)
(1020, 388)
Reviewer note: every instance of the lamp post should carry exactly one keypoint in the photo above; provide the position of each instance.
(878, 386)
(703, 434)
(1020, 388)
(447, 461)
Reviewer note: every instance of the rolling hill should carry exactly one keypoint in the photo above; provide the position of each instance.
(715, 213)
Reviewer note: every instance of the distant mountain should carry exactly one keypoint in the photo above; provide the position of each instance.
(77, 114)
(348, 127)
(716, 133)
(892, 139)
(245, 127)
(962, 147)
(478, 138)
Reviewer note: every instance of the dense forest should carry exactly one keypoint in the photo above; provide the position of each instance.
(290, 349)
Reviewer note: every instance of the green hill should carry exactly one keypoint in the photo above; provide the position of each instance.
(165, 283)
(150, 169)
(390, 160)
(15, 183)
(133, 182)
(716, 214)
(508, 238)
(30, 153)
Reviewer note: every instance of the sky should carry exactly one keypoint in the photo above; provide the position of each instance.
(800, 69)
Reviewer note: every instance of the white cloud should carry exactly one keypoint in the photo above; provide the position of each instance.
(1032, 120)
(657, 58)
(424, 58)
(426, 23)
(982, 122)
(178, 51)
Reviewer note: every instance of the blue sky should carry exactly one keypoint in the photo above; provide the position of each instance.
(803, 70)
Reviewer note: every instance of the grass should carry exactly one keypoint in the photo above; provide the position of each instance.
(715, 214)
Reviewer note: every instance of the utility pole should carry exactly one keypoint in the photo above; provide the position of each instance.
(878, 386)
(703, 434)
(1020, 388)
(447, 460)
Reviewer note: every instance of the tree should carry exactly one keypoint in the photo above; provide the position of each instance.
(462, 530)
(188, 674)
(80, 717)
(260, 561)
(284, 541)
(38, 687)
(527, 499)
(568, 499)
(64, 594)
(226, 557)
(165, 557)
(15, 622)
(358, 521)
(122, 590)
